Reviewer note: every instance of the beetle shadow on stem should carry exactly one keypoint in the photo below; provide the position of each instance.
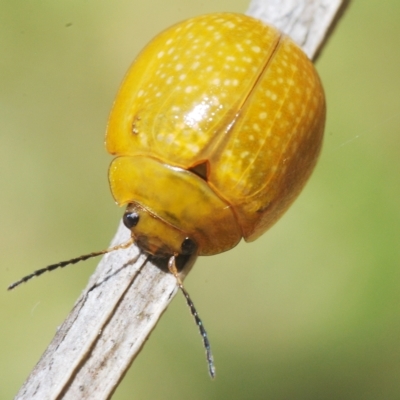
(117, 271)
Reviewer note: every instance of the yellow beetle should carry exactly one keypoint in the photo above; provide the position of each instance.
(216, 128)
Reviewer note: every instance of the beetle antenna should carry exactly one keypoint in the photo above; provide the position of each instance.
(63, 264)
(210, 359)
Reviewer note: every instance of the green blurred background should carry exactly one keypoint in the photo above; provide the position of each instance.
(310, 311)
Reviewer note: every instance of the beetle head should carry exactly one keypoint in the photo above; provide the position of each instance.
(154, 235)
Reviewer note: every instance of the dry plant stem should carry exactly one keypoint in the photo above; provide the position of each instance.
(105, 330)
(127, 294)
(308, 22)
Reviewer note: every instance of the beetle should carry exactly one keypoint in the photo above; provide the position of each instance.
(216, 128)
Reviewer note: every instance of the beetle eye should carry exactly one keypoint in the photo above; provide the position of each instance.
(130, 219)
(188, 246)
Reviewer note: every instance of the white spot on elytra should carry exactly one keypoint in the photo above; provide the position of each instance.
(262, 115)
(215, 101)
(273, 96)
(193, 147)
(230, 25)
(239, 47)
